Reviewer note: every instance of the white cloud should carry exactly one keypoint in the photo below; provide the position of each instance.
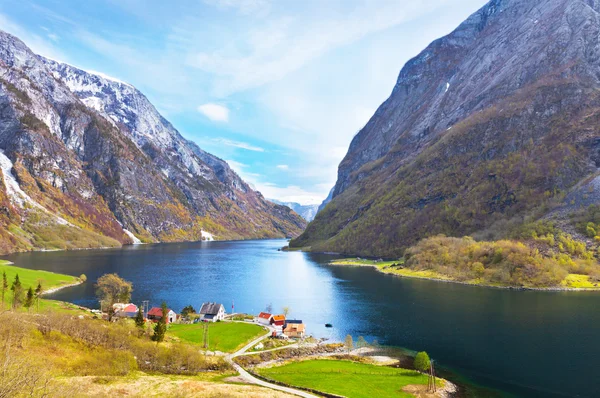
(238, 144)
(272, 50)
(215, 112)
(291, 193)
(283, 167)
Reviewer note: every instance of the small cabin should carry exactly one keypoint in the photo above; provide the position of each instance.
(264, 318)
(156, 313)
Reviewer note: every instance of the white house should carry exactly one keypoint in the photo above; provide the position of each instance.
(212, 312)
(264, 318)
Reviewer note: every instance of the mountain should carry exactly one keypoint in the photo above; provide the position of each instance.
(488, 127)
(308, 212)
(87, 161)
(326, 201)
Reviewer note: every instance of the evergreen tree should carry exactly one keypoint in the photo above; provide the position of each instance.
(422, 362)
(17, 289)
(161, 327)
(30, 298)
(4, 286)
(139, 319)
(38, 292)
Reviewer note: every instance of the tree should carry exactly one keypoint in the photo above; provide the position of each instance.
(285, 310)
(361, 342)
(111, 289)
(38, 292)
(349, 343)
(4, 286)
(422, 362)
(269, 308)
(17, 289)
(29, 299)
(139, 319)
(161, 327)
(187, 310)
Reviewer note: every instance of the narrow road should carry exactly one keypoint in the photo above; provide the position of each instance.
(253, 380)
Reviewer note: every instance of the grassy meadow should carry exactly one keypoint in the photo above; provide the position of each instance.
(351, 379)
(223, 336)
(30, 278)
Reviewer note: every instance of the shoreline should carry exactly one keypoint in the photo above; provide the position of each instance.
(521, 288)
(57, 288)
(132, 245)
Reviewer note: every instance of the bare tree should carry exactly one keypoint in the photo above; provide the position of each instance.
(349, 343)
(269, 308)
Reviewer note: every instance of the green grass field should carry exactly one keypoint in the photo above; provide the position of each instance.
(351, 379)
(223, 336)
(29, 277)
(389, 268)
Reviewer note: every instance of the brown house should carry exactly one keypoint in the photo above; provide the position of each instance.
(294, 330)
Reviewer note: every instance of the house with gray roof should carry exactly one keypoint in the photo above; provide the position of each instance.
(212, 312)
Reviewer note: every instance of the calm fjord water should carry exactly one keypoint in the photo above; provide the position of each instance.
(528, 343)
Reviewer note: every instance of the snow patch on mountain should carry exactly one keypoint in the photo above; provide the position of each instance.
(16, 194)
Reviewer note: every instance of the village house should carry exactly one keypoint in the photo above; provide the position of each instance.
(264, 318)
(156, 313)
(294, 329)
(277, 321)
(212, 312)
(126, 311)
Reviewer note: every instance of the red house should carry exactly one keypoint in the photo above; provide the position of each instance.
(156, 313)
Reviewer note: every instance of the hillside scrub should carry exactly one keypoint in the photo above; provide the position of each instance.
(64, 345)
(504, 262)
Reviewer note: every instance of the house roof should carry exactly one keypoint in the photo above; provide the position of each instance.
(157, 311)
(265, 315)
(296, 321)
(295, 327)
(210, 308)
(277, 318)
(130, 308)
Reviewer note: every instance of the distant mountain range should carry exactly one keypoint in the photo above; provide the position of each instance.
(308, 212)
(488, 128)
(87, 161)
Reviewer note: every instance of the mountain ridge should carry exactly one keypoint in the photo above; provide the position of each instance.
(97, 154)
(487, 125)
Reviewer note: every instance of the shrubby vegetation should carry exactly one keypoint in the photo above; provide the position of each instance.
(65, 345)
(544, 260)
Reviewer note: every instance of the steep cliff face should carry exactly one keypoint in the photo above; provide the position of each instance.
(486, 124)
(88, 162)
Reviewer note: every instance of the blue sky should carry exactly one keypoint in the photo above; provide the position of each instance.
(278, 88)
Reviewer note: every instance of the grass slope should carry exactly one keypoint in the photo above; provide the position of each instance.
(30, 278)
(223, 336)
(351, 379)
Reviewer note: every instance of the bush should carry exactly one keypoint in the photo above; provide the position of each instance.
(422, 362)
(504, 262)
